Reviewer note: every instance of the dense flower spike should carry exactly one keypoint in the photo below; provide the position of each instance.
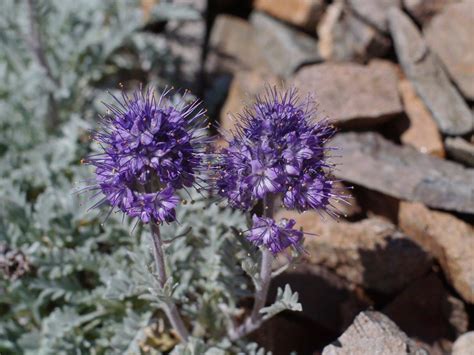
(276, 237)
(277, 148)
(151, 148)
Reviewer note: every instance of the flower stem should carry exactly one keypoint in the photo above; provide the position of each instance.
(255, 320)
(170, 308)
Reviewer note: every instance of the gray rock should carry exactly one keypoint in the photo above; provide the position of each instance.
(427, 75)
(232, 47)
(374, 11)
(369, 160)
(343, 36)
(450, 34)
(423, 10)
(460, 150)
(351, 94)
(284, 48)
(373, 333)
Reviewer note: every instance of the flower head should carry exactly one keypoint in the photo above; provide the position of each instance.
(276, 237)
(277, 148)
(150, 149)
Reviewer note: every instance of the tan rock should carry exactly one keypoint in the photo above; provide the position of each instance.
(350, 94)
(243, 89)
(370, 253)
(232, 47)
(464, 344)
(448, 239)
(450, 35)
(423, 133)
(301, 13)
(372, 333)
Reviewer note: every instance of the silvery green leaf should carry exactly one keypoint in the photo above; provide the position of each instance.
(285, 300)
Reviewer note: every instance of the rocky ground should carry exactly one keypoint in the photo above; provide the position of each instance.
(395, 275)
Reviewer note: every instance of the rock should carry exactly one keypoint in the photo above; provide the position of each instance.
(186, 41)
(370, 253)
(352, 94)
(284, 48)
(329, 300)
(300, 13)
(460, 150)
(448, 239)
(426, 312)
(374, 331)
(423, 132)
(243, 90)
(464, 344)
(345, 37)
(423, 10)
(428, 77)
(450, 35)
(367, 159)
(232, 47)
(374, 11)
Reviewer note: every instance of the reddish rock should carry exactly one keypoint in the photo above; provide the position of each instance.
(426, 312)
(450, 35)
(343, 36)
(373, 333)
(448, 239)
(351, 94)
(423, 133)
(243, 89)
(301, 13)
(370, 253)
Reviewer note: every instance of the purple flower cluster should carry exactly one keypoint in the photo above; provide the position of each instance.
(151, 148)
(276, 237)
(277, 149)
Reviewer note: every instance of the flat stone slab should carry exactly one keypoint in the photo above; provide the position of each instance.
(450, 34)
(460, 150)
(427, 75)
(369, 160)
(351, 94)
(374, 11)
(284, 48)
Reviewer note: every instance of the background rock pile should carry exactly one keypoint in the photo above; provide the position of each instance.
(397, 78)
